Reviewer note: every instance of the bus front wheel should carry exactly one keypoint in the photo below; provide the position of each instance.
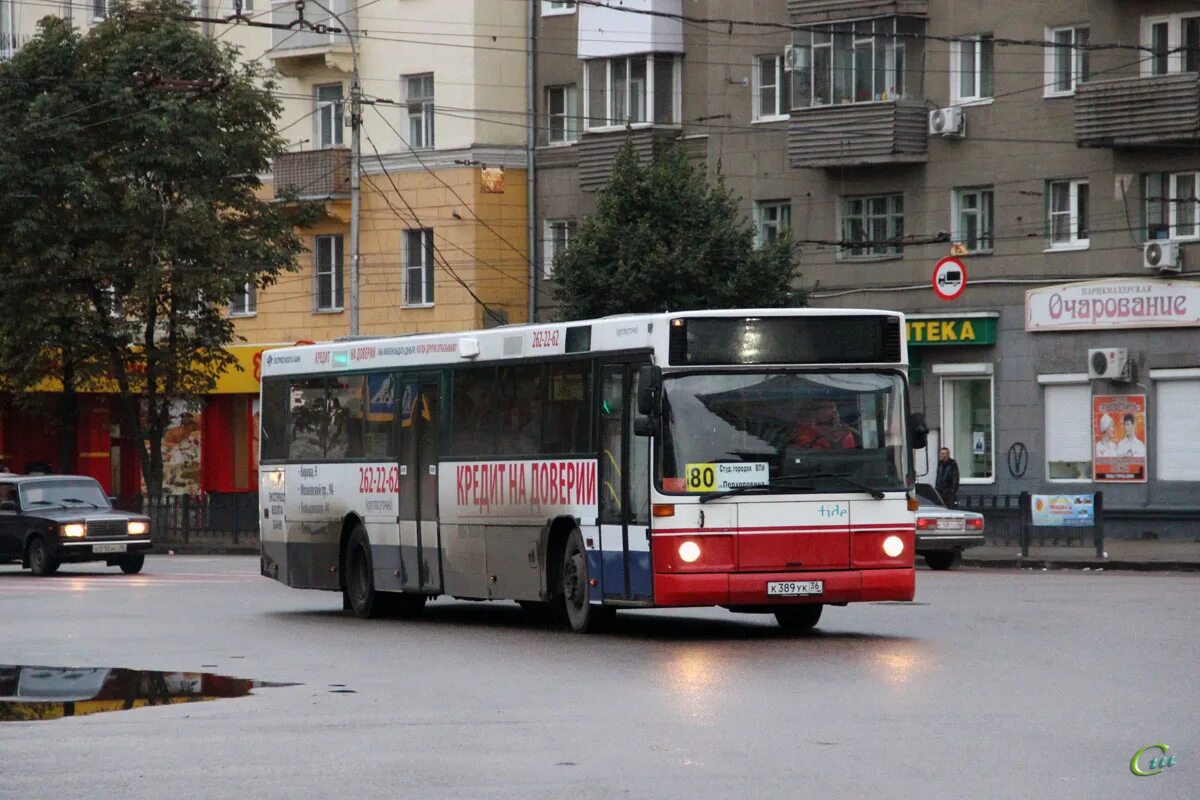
(574, 589)
(795, 619)
(359, 590)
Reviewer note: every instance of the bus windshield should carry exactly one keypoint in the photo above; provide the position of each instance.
(794, 431)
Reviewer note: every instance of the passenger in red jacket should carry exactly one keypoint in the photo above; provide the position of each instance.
(821, 428)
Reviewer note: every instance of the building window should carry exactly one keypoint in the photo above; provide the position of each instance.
(1174, 43)
(245, 302)
(860, 62)
(973, 211)
(329, 273)
(1178, 426)
(419, 100)
(972, 68)
(772, 88)
(1172, 207)
(967, 426)
(329, 115)
(1068, 434)
(556, 237)
(552, 8)
(875, 222)
(772, 218)
(1067, 214)
(1067, 62)
(99, 9)
(632, 90)
(8, 33)
(562, 114)
(418, 267)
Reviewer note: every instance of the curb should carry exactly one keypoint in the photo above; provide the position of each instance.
(1041, 563)
(164, 549)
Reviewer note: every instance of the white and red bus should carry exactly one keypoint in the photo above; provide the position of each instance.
(758, 460)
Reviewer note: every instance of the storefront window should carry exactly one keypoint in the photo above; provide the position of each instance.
(967, 426)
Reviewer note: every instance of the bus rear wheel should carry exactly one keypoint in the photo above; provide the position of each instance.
(796, 619)
(359, 588)
(574, 589)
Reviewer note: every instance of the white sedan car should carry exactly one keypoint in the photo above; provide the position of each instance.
(943, 533)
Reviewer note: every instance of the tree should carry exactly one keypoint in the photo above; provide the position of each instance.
(664, 238)
(132, 207)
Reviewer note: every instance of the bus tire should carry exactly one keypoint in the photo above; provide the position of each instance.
(38, 556)
(796, 619)
(574, 586)
(359, 590)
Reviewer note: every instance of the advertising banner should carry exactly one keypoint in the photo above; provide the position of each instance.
(1119, 433)
(1062, 510)
(1113, 303)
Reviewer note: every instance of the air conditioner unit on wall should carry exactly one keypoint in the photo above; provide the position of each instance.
(1109, 363)
(1163, 256)
(950, 123)
(791, 57)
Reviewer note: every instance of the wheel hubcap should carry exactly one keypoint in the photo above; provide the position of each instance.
(573, 571)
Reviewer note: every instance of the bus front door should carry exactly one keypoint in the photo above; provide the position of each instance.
(624, 489)
(420, 538)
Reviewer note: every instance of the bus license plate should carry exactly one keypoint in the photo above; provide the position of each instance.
(794, 588)
(108, 548)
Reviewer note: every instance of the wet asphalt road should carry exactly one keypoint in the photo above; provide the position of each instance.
(992, 685)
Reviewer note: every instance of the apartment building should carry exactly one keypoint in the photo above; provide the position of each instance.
(1053, 148)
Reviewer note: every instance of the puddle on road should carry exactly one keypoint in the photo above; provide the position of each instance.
(40, 693)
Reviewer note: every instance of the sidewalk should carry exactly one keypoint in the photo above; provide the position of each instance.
(1142, 555)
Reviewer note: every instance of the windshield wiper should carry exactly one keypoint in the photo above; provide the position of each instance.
(779, 483)
(845, 478)
(42, 503)
(77, 500)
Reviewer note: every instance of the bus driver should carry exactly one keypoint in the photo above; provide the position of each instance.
(821, 428)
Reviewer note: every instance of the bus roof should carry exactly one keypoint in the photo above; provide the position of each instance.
(618, 333)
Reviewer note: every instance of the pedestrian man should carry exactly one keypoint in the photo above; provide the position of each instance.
(947, 478)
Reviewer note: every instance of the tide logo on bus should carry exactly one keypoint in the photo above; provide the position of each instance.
(495, 487)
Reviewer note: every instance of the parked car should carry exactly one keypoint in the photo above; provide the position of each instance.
(943, 533)
(48, 520)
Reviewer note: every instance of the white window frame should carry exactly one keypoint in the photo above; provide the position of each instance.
(771, 215)
(8, 32)
(956, 373)
(102, 7)
(331, 111)
(987, 215)
(1075, 242)
(557, 8)
(1080, 62)
(975, 42)
(1076, 380)
(549, 228)
(844, 252)
(1172, 205)
(245, 302)
(783, 93)
(608, 123)
(427, 267)
(422, 132)
(337, 271)
(1176, 58)
(570, 115)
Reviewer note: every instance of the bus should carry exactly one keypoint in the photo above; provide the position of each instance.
(759, 460)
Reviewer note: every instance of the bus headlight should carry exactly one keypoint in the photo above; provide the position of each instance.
(74, 530)
(689, 552)
(893, 546)
(137, 528)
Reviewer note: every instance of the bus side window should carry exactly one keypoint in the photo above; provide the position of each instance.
(309, 419)
(473, 430)
(346, 417)
(568, 409)
(273, 414)
(380, 416)
(520, 390)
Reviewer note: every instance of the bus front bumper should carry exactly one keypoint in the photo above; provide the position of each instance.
(750, 588)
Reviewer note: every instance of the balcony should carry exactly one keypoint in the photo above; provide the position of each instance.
(598, 151)
(297, 51)
(1139, 111)
(802, 11)
(858, 135)
(314, 174)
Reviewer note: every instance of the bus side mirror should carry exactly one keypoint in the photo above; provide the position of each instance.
(649, 387)
(918, 431)
(645, 426)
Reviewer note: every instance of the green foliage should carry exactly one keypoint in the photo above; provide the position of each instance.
(130, 213)
(664, 238)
